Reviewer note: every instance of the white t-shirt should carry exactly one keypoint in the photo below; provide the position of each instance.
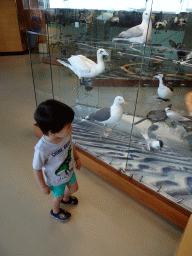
(55, 160)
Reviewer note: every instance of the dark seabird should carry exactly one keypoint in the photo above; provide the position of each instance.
(154, 116)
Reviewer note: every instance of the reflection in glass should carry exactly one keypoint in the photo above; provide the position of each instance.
(153, 76)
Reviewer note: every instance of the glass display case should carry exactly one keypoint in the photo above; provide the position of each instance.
(125, 69)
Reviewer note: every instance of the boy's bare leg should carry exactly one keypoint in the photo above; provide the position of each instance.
(69, 190)
(56, 204)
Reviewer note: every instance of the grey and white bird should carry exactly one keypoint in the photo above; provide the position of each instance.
(164, 90)
(110, 115)
(83, 67)
(152, 143)
(174, 116)
(139, 34)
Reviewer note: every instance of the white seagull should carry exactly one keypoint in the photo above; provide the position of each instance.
(84, 67)
(152, 142)
(139, 34)
(164, 90)
(110, 115)
(174, 116)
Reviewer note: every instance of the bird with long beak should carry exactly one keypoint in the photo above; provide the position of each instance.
(164, 90)
(154, 116)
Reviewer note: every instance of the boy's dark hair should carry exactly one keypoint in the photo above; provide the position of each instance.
(52, 115)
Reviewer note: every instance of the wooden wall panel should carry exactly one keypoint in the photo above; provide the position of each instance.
(10, 39)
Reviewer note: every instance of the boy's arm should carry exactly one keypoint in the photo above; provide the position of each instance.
(40, 180)
(76, 158)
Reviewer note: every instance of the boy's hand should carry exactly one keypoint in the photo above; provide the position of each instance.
(46, 189)
(78, 164)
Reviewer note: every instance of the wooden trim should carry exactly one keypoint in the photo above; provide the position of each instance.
(151, 199)
(171, 211)
(185, 248)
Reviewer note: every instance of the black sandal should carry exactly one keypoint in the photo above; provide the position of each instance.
(62, 215)
(72, 200)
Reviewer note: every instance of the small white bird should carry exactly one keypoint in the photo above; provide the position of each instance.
(164, 90)
(152, 143)
(110, 115)
(161, 24)
(139, 34)
(174, 116)
(84, 67)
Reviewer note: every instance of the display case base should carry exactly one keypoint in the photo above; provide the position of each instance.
(169, 210)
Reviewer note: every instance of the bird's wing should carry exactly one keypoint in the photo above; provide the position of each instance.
(79, 62)
(169, 86)
(132, 32)
(101, 115)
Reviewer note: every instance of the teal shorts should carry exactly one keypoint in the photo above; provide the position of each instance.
(59, 190)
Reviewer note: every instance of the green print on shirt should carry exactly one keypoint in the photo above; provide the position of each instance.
(65, 164)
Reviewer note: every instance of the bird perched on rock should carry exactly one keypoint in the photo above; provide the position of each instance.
(110, 115)
(161, 24)
(152, 143)
(154, 116)
(84, 67)
(174, 116)
(164, 90)
(139, 34)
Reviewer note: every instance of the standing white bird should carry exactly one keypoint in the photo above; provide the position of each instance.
(84, 67)
(174, 116)
(152, 142)
(164, 90)
(110, 115)
(139, 34)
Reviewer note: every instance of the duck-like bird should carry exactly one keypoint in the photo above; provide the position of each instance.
(164, 90)
(110, 115)
(84, 67)
(174, 116)
(152, 143)
(139, 34)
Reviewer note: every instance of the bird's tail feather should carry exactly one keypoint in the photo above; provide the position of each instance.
(141, 120)
(64, 63)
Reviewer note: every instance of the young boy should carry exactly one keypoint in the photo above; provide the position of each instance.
(53, 162)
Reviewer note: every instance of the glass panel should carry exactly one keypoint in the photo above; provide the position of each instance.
(129, 65)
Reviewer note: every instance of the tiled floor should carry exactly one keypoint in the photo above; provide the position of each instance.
(106, 222)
